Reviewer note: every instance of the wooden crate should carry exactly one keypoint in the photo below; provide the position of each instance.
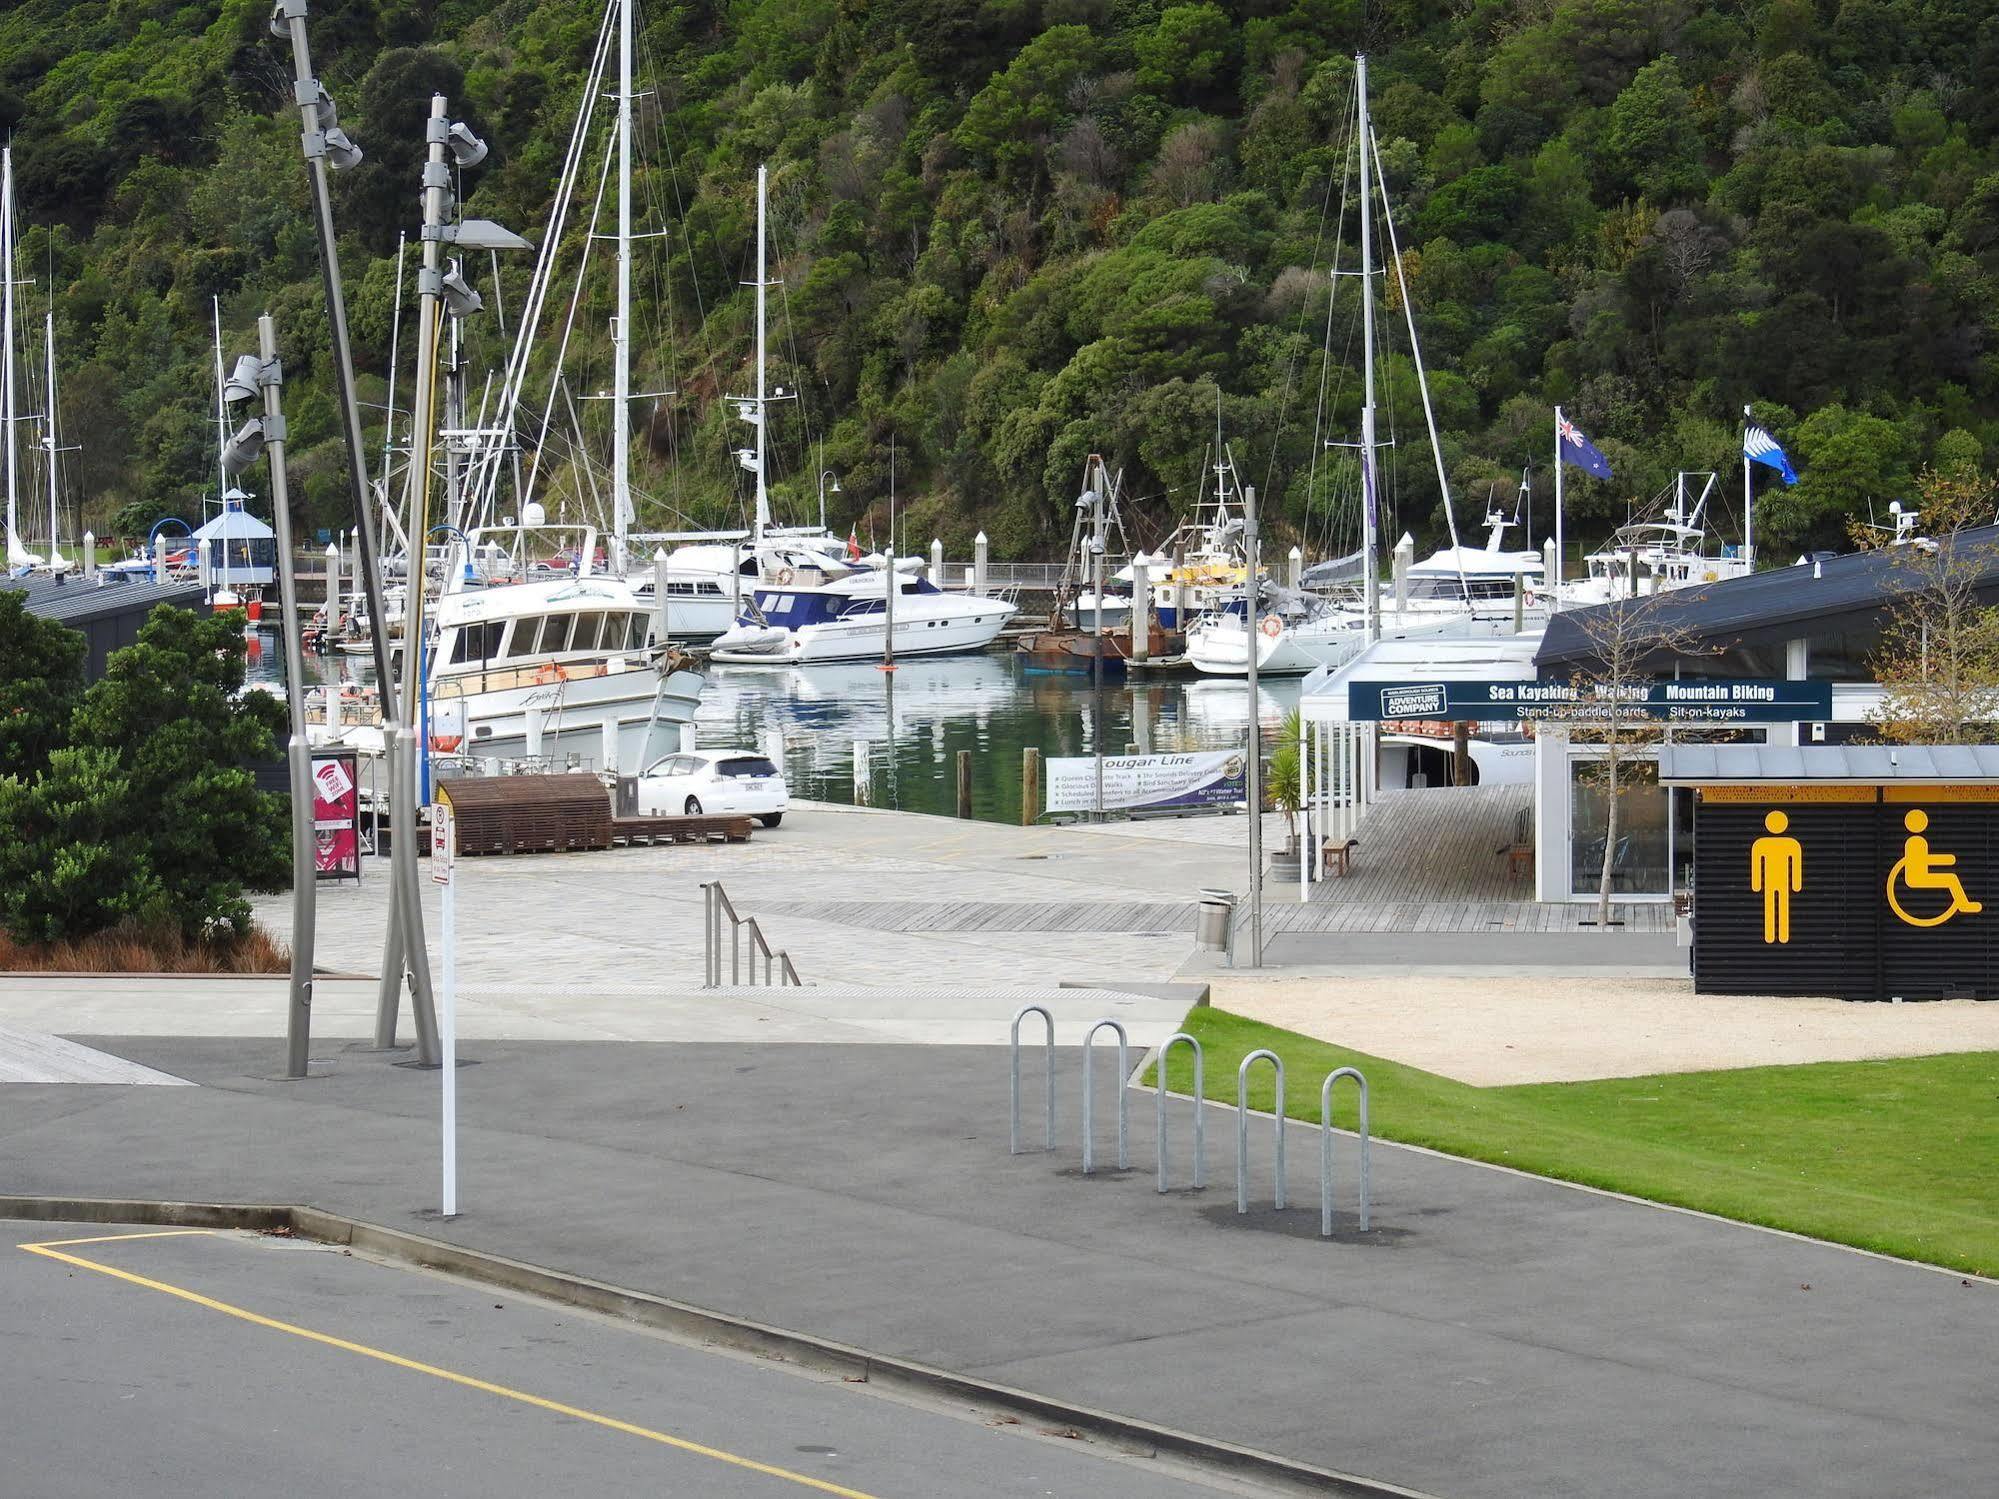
(528, 814)
(636, 830)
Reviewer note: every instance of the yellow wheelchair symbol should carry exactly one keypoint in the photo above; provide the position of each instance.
(1920, 869)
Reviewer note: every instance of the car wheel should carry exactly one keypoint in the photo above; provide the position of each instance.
(771, 819)
(693, 807)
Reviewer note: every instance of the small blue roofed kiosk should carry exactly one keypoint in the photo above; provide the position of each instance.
(236, 549)
(1861, 871)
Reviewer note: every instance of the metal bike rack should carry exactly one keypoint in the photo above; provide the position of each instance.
(1326, 1148)
(1200, 1093)
(777, 966)
(1123, 1108)
(1242, 1127)
(1013, 1132)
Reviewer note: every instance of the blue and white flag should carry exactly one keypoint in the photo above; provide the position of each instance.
(1760, 447)
(1579, 450)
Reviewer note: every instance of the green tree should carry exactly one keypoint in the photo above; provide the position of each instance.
(41, 677)
(171, 711)
(73, 855)
(1651, 141)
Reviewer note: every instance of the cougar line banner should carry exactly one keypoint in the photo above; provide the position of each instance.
(336, 817)
(1721, 700)
(1153, 783)
(1864, 892)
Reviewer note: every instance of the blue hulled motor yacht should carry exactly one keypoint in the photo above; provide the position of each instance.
(848, 619)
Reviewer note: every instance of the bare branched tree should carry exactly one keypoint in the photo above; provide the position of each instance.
(1628, 644)
(1938, 661)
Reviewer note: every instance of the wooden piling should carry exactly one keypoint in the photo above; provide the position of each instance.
(1030, 785)
(965, 783)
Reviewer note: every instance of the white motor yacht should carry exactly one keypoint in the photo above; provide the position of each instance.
(707, 582)
(848, 620)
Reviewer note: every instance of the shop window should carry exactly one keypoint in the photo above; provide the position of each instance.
(1641, 861)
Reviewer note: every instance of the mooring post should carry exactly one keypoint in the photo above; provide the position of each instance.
(1030, 786)
(965, 784)
(863, 777)
(981, 552)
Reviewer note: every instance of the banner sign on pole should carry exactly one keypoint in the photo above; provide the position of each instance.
(1715, 700)
(1151, 783)
(336, 816)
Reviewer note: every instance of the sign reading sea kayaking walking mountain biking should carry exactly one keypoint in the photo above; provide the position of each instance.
(1865, 892)
(1715, 700)
(1150, 783)
(336, 816)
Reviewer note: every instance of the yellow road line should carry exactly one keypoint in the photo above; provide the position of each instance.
(50, 1251)
(158, 1233)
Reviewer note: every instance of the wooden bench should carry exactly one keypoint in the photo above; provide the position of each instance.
(633, 831)
(1337, 858)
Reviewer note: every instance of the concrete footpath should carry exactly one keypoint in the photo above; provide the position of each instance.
(1494, 1336)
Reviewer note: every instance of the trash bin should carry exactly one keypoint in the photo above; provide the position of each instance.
(1214, 921)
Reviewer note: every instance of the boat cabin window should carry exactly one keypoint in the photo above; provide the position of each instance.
(523, 641)
(637, 631)
(479, 642)
(589, 628)
(554, 635)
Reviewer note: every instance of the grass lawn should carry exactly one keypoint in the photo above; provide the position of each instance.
(1900, 1156)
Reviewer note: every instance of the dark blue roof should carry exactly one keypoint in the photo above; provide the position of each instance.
(1850, 590)
(78, 600)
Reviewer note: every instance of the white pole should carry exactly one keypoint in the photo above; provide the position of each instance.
(1304, 812)
(621, 343)
(1555, 579)
(1370, 512)
(9, 413)
(1748, 505)
(332, 587)
(443, 855)
(763, 494)
(49, 344)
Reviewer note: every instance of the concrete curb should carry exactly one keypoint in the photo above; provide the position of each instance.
(716, 1328)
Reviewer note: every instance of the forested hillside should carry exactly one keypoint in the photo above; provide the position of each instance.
(1014, 232)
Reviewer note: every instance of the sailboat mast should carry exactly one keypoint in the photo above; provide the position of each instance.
(763, 277)
(221, 406)
(1370, 514)
(49, 342)
(10, 413)
(621, 344)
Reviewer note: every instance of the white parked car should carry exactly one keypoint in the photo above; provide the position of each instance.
(692, 782)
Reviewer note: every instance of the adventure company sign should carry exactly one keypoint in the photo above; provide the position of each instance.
(1154, 783)
(1689, 700)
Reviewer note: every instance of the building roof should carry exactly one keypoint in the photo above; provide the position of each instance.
(235, 524)
(1751, 764)
(1779, 603)
(79, 600)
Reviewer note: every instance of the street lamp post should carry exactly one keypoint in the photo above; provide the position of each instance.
(256, 375)
(326, 146)
(1253, 784)
(823, 477)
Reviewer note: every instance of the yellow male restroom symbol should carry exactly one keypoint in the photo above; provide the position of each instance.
(1777, 869)
(1920, 868)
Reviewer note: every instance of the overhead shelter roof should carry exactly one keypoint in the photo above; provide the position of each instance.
(234, 525)
(1862, 764)
(1848, 591)
(78, 600)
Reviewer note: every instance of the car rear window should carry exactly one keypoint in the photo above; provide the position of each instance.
(754, 765)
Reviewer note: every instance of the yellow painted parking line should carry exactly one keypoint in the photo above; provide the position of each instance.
(158, 1233)
(51, 1251)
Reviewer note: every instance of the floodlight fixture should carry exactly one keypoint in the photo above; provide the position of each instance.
(484, 234)
(246, 381)
(244, 448)
(467, 150)
(341, 152)
(459, 297)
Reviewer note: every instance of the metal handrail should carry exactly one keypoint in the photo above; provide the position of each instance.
(778, 969)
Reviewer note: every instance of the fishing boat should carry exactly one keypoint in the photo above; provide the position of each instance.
(849, 619)
(1090, 625)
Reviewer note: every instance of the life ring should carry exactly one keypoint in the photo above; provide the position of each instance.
(1527, 597)
(1272, 626)
(785, 575)
(551, 673)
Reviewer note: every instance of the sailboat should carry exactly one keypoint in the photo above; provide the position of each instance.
(1458, 591)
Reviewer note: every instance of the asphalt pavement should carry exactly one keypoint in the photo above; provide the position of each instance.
(223, 1364)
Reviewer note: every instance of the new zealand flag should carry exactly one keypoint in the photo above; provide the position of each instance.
(1580, 451)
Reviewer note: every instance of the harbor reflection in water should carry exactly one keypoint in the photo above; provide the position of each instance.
(916, 718)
